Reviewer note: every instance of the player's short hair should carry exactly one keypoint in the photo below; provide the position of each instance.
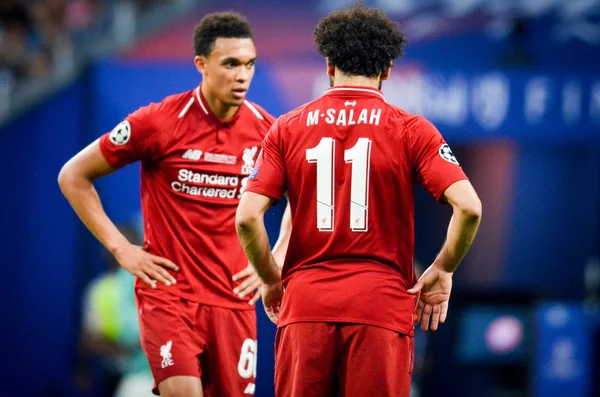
(359, 40)
(219, 24)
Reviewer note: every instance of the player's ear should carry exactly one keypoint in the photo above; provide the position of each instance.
(200, 63)
(330, 68)
(386, 73)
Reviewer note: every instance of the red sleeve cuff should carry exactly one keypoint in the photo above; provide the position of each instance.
(110, 157)
(264, 192)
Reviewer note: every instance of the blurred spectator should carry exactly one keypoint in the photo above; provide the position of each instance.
(518, 54)
(82, 13)
(54, 37)
(15, 27)
(41, 38)
(110, 332)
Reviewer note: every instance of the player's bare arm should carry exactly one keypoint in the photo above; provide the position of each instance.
(283, 241)
(76, 182)
(251, 230)
(252, 282)
(435, 285)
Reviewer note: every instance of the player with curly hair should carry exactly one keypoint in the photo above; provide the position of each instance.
(348, 162)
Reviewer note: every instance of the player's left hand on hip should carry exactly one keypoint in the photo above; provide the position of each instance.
(434, 288)
(251, 284)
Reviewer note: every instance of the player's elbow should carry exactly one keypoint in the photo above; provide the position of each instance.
(65, 177)
(471, 209)
(464, 201)
(245, 219)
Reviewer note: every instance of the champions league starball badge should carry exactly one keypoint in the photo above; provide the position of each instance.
(121, 133)
(446, 154)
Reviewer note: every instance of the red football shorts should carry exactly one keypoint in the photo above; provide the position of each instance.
(180, 337)
(324, 359)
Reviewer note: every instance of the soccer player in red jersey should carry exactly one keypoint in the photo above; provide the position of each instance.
(345, 302)
(194, 284)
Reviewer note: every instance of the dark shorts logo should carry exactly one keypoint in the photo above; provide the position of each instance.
(446, 154)
(121, 133)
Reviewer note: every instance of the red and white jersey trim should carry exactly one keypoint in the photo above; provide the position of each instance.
(186, 108)
(376, 92)
(254, 110)
(200, 100)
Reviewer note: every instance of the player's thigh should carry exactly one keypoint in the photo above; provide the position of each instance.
(231, 353)
(374, 361)
(305, 360)
(181, 386)
(168, 338)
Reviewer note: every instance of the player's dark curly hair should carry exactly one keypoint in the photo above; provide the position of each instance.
(359, 40)
(220, 24)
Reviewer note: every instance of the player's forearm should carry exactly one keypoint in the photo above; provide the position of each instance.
(255, 241)
(461, 233)
(281, 246)
(84, 199)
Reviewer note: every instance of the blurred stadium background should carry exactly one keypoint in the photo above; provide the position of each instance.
(514, 85)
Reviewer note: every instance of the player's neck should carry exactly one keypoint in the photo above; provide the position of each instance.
(360, 81)
(223, 111)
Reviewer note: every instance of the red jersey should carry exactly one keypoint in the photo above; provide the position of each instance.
(194, 168)
(349, 162)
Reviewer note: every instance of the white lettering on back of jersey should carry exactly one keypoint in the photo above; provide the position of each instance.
(330, 116)
(351, 120)
(359, 156)
(343, 117)
(362, 119)
(312, 118)
(375, 116)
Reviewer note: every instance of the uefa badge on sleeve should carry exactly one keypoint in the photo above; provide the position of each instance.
(446, 154)
(121, 133)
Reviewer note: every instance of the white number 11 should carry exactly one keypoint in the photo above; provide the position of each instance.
(360, 156)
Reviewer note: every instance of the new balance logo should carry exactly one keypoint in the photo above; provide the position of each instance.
(348, 103)
(192, 154)
(250, 388)
(165, 353)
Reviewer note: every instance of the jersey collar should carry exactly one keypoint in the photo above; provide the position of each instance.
(342, 90)
(205, 109)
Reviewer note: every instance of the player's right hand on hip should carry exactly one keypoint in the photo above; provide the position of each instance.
(272, 295)
(147, 267)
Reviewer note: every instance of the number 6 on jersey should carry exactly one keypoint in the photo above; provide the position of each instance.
(360, 157)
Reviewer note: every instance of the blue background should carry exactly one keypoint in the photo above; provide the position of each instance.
(538, 177)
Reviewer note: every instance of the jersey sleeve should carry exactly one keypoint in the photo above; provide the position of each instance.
(435, 166)
(269, 175)
(131, 140)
